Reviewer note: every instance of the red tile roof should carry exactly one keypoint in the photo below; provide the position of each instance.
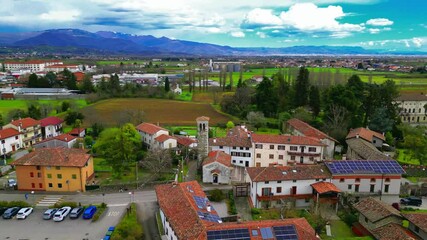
(149, 128)
(418, 219)
(177, 203)
(185, 141)
(25, 122)
(51, 121)
(365, 133)
(65, 137)
(286, 139)
(236, 137)
(283, 173)
(76, 131)
(202, 118)
(393, 231)
(375, 209)
(79, 76)
(34, 62)
(64, 157)
(62, 66)
(218, 156)
(163, 138)
(8, 132)
(325, 187)
(308, 130)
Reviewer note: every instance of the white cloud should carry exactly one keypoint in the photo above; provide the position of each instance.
(418, 42)
(60, 15)
(379, 22)
(371, 43)
(238, 34)
(261, 17)
(415, 43)
(374, 30)
(261, 34)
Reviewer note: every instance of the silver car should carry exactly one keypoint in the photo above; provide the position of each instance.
(48, 214)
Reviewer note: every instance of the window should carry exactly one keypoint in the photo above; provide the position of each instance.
(234, 147)
(266, 191)
(258, 164)
(40, 185)
(259, 146)
(241, 148)
(356, 188)
(357, 179)
(38, 167)
(279, 189)
(31, 174)
(271, 156)
(234, 161)
(59, 176)
(50, 185)
(387, 180)
(372, 188)
(307, 200)
(16, 137)
(279, 181)
(241, 161)
(342, 180)
(57, 167)
(74, 176)
(49, 175)
(312, 149)
(39, 174)
(317, 179)
(366, 219)
(386, 188)
(221, 147)
(294, 148)
(258, 155)
(33, 185)
(271, 146)
(266, 182)
(281, 147)
(59, 185)
(281, 157)
(246, 164)
(350, 187)
(372, 179)
(294, 180)
(417, 229)
(247, 148)
(293, 158)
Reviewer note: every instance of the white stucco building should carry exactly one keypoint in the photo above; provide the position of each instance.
(51, 126)
(413, 108)
(10, 140)
(32, 65)
(217, 168)
(165, 141)
(149, 132)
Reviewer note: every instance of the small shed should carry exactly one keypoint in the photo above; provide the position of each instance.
(217, 168)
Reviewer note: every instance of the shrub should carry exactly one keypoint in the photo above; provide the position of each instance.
(216, 195)
(100, 210)
(18, 204)
(349, 218)
(255, 211)
(129, 227)
(64, 204)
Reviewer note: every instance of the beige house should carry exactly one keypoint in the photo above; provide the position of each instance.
(29, 129)
(374, 213)
(413, 108)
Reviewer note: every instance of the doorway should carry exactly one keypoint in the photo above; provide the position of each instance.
(215, 178)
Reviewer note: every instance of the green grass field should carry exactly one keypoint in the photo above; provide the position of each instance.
(405, 157)
(340, 230)
(8, 105)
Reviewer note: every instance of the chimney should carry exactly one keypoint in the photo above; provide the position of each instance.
(214, 140)
(208, 207)
(66, 139)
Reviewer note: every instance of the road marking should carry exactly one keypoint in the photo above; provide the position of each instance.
(113, 213)
(117, 205)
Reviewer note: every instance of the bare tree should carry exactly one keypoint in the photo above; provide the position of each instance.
(131, 115)
(337, 123)
(157, 161)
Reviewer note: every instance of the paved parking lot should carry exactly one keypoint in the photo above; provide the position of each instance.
(35, 228)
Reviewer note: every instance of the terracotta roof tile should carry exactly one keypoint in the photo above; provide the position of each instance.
(185, 141)
(25, 122)
(76, 131)
(8, 132)
(218, 156)
(163, 138)
(63, 157)
(283, 173)
(236, 137)
(324, 187)
(308, 130)
(375, 209)
(412, 97)
(286, 139)
(365, 133)
(149, 128)
(393, 231)
(366, 150)
(418, 219)
(202, 118)
(65, 137)
(51, 121)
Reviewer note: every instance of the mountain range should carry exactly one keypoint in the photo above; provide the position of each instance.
(80, 41)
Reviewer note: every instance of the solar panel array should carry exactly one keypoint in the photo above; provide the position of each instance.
(200, 201)
(365, 166)
(266, 233)
(285, 232)
(209, 217)
(231, 234)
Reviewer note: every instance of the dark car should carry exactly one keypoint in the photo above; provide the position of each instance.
(10, 212)
(2, 210)
(76, 212)
(48, 214)
(89, 212)
(412, 201)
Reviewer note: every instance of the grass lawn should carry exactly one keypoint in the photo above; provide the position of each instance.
(264, 214)
(185, 96)
(405, 157)
(413, 210)
(268, 131)
(340, 230)
(8, 105)
(129, 227)
(100, 165)
(129, 176)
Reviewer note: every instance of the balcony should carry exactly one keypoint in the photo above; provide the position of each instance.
(304, 154)
(283, 196)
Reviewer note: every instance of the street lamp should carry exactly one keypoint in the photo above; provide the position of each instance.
(4, 154)
(32, 194)
(130, 197)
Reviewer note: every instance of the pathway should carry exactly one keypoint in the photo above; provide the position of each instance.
(47, 201)
(242, 206)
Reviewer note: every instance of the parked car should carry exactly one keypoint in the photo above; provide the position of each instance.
(10, 212)
(109, 233)
(23, 213)
(11, 183)
(61, 214)
(396, 206)
(412, 201)
(2, 210)
(48, 214)
(89, 212)
(76, 212)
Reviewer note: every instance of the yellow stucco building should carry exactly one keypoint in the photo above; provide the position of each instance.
(54, 169)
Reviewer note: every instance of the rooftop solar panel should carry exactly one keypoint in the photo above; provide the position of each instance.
(285, 232)
(365, 166)
(229, 234)
(200, 201)
(209, 217)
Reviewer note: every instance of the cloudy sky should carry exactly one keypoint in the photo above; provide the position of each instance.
(378, 24)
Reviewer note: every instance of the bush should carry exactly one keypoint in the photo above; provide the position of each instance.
(100, 210)
(65, 204)
(216, 195)
(14, 204)
(255, 211)
(128, 227)
(349, 218)
(231, 205)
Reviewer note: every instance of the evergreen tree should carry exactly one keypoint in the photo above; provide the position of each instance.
(34, 112)
(301, 88)
(314, 100)
(266, 98)
(32, 80)
(167, 84)
(87, 85)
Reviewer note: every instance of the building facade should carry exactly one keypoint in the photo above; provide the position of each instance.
(412, 108)
(63, 140)
(32, 65)
(10, 140)
(51, 127)
(149, 132)
(165, 142)
(29, 129)
(217, 168)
